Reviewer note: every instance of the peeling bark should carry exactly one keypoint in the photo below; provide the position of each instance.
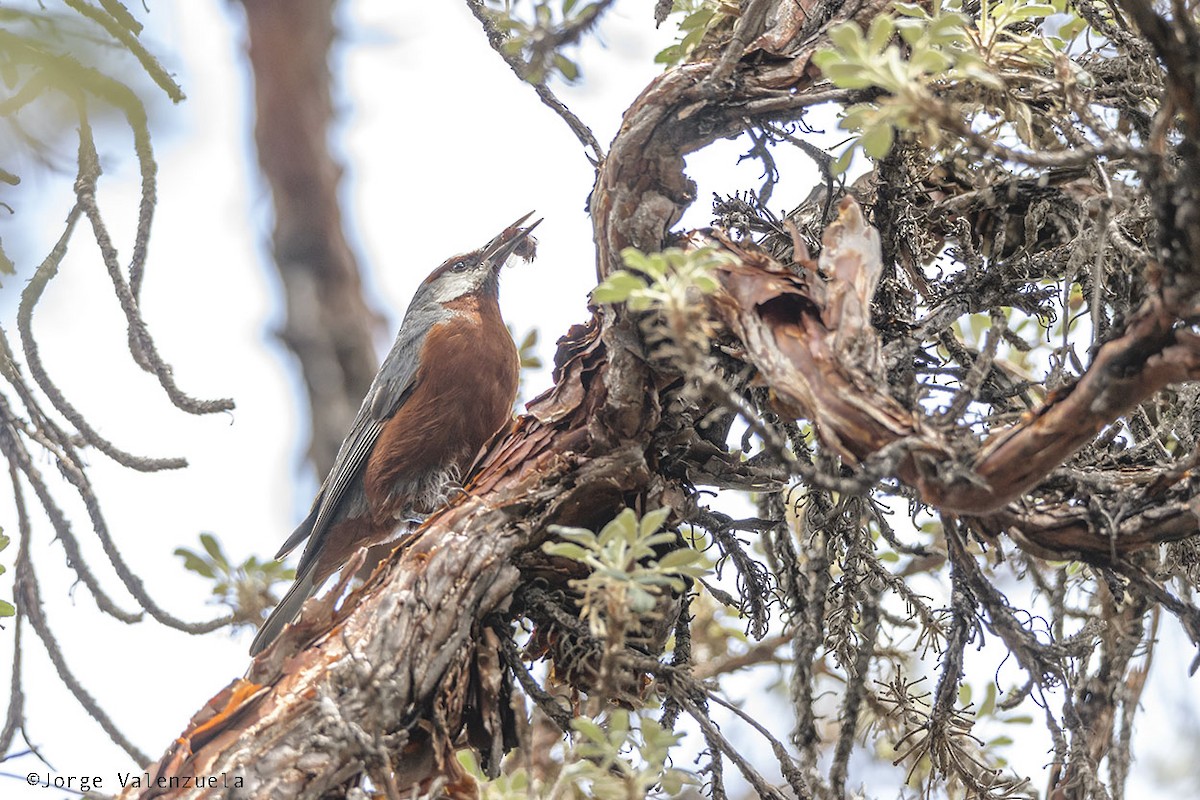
(813, 343)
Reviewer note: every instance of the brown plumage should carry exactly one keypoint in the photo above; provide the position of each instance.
(448, 384)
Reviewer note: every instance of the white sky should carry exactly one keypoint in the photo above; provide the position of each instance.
(443, 147)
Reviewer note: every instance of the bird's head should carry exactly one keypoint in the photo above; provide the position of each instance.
(478, 272)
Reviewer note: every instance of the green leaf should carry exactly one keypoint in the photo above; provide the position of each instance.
(989, 701)
(707, 284)
(635, 259)
(7, 609)
(566, 67)
(911, 31)
(848, 75)
(585, 539)
(624, 526)
(697, 20)
(213, 548)
(194, 563)
(877, 141)
(1072, 28)
(666, 537)
(669, 56)
(653, 520)
(640, 601)
(931, 61)
(847, 37)
(880, 32)
(1030, 11)
(824, 58)
(617, 287)
(574, 534)
(859, 116)
(912, 10)
(566, 550)
(643, 300)
(683, 557)
(589, 729)
(842, 162)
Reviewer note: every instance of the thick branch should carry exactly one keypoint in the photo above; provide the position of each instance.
(641, 192)
(388, 666)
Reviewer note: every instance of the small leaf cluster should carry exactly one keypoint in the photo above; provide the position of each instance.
(672, 275)
(244, 587)
(612, 760)
(538, 38)
(611, 775)
(626, 571)
(699, 17)
(49, 61)
(1001, 50)
(6, 609)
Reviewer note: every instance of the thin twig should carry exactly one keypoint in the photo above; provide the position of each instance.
(29, 600)
(16, 453)
(121, 32)
(516, 665)
(497, 39)
(749, 25)
(141, 343)
(29, 300)
(713, 734)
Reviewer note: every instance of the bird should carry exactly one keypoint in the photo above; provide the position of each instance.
(447, 385)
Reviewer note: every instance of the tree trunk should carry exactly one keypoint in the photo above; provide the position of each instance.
(329, 325)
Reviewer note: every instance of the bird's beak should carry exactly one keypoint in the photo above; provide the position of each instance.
(513, 239)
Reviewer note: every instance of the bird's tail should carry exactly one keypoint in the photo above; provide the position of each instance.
(287, 610)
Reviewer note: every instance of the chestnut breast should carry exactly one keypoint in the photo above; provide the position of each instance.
(463, 393)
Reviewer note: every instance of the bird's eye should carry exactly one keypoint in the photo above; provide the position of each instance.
(459, 266)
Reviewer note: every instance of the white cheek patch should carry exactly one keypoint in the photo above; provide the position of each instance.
(453, 285)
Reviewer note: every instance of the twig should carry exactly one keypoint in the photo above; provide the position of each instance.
(749, 25)
(29, 299)
(120, 30)
(141, 343)
(16, 453)
(516, 665)
(15, 715)
(497, 39)
(30, 602)
(725, 748)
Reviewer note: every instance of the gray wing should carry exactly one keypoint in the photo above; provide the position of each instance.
(399, 371)
(393, 383)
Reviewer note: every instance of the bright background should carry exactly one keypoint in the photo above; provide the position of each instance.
(443, 147)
